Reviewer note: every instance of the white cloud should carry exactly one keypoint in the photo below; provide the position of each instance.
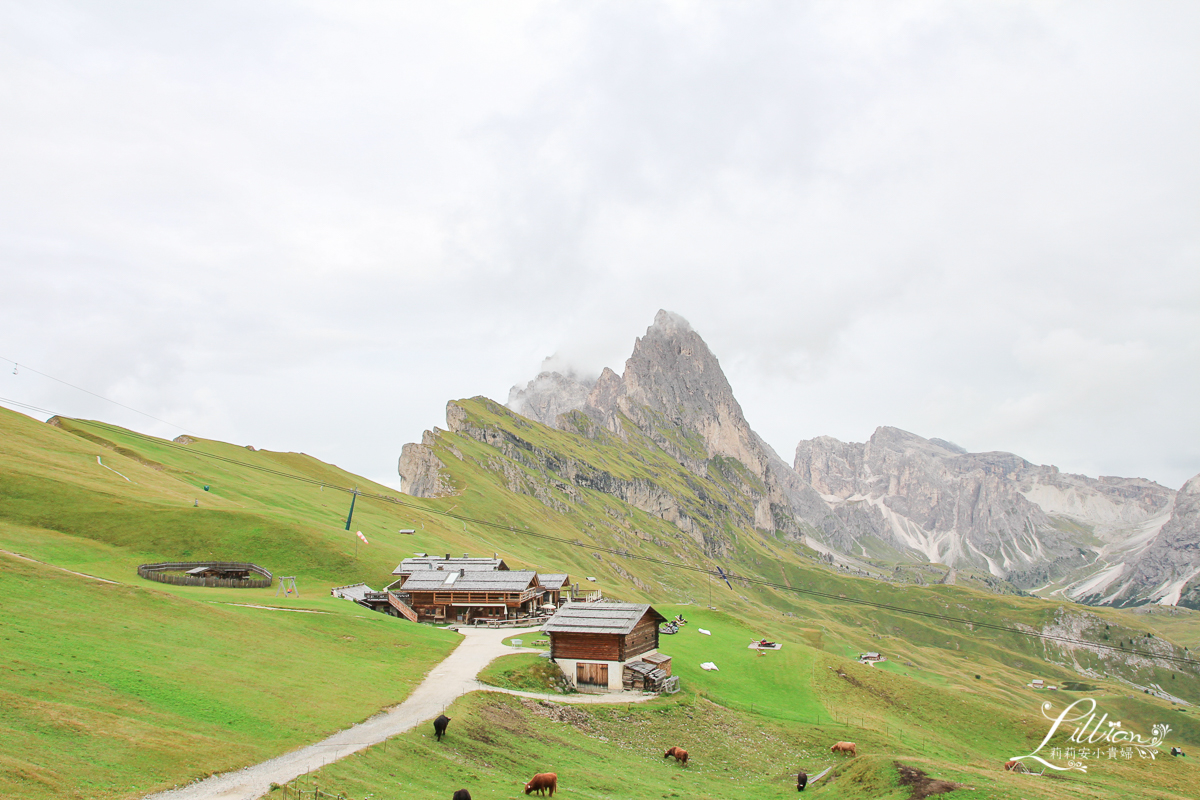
(308, 227)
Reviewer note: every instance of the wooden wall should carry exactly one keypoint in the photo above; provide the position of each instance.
(597, 646)
(642, 639)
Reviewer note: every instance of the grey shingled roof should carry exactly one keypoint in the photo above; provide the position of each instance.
(617, 618)
(554, 580)
(479, 581)
(355, 591)
(421, 563)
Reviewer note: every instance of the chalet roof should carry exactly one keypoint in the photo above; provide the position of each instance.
(618, 618)
(478, 581)
(421, 563)
(355, 591)
(220, 570)
(554, 580)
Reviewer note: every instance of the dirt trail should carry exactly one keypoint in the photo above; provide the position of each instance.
(62, 569)
(450, 679)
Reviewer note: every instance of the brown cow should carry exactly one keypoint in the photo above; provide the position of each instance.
(844, 747)
(679, 753)
(1008, 765)
(541, 782)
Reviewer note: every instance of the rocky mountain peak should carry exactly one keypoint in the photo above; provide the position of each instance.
(675, 393)
(673, 372)
(548, 395)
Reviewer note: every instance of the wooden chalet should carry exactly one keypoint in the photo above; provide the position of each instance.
(422, 563)
(462, 595)
(593, 643)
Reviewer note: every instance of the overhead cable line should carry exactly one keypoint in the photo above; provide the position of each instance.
(715, 573)
(93, 394)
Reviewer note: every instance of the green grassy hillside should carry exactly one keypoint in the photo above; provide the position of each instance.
(114, 685)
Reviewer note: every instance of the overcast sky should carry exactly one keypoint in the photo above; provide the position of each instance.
(307, 226)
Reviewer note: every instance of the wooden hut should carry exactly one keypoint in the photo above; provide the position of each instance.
(220, 571)
(593, 642)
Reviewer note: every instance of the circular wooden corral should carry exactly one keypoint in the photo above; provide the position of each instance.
(162, 574)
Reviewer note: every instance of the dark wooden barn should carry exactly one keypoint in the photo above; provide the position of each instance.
(593, 642)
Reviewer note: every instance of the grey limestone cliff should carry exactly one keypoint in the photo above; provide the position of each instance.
(992, 510)
(1166, 570)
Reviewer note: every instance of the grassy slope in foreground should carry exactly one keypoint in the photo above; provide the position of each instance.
(497, 742)
(110, 690)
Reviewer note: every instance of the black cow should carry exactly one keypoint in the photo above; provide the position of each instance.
(1175, 751)
(462, 794)
(439, 726)
(801, 781)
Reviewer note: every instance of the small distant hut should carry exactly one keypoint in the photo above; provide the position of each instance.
(221, 572)
(870, 658)
(593, 643)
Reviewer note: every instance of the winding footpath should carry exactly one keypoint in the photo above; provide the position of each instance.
(445, 683)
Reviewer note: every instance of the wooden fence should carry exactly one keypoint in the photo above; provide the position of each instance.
(158, 572)
(515, 622)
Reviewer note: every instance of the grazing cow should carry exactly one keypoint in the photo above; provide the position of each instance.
(679, 753)
(542, 782)
(462, 794)
(1010, 765)
(844, 747)
(801, 781)
(439, 726)
(1175, 751)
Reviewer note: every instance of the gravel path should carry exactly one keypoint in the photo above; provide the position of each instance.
(449, 680)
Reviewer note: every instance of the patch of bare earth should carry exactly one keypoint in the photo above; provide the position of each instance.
(921, 785)
(559, 713)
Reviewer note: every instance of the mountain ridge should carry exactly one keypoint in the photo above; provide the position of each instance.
(897, 498)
